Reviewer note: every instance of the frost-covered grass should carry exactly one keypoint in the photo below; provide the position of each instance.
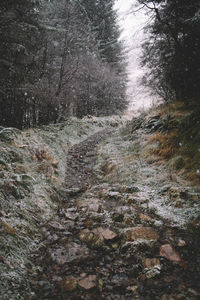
(32, 170)
(180, 144)
(129, 162)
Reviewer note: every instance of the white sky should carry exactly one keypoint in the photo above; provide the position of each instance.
(132, 33)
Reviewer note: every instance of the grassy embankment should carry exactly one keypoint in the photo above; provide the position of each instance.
(32, 184)
(179, 142)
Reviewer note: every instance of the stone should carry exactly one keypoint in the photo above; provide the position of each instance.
(151, 262)
(88, 283)
(56, 225)
(152, 272)
(73, 252)
(181, 243)
(145, 233)
(144, 217)
(86, 236)
(114, 195)
(68, 284)
(132, 288)
(174, 192)
(93, 205)
(168, 252)
(71, 216)
(130, 189)
(96, 237)
(106, 233)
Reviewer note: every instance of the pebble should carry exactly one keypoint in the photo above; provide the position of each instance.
(168, 252)
(68, 284)
(88, 283)
(144, 217)
(151, 262)
(145, 233)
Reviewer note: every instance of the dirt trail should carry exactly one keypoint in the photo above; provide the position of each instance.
(104, 243)
(81, 160)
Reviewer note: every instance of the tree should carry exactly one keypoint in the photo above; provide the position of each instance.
(19, 45)
(171, 53)
(54, 62)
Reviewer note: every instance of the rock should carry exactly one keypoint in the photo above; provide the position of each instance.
(120, 279)
(137, 246)
(158, 223)
(106, 233)
(114, 195)
(144, 217)
(86, 236)
(68, 284)
(165, 188)
(93, 205)
(174, 193)
(132, 288)
(52, 238)
(98, 240)
(97, 236)
(168, 252)
(88, 283)
(151, 262)
(73, 192)
(117, 217)
(71, 216)
(167, 297)
(151, 272)
(181, 243)
(73, 252)
(130, 189)
(90, 205)
(56, 225)
(145, 233)
(178, 204)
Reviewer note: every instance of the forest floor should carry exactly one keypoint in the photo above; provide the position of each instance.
(127, 227)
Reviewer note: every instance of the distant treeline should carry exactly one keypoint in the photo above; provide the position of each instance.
(59, 58)
(172, 49)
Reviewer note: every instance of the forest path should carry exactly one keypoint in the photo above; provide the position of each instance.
(107, 240)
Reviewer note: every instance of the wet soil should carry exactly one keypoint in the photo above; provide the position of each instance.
(103, 244)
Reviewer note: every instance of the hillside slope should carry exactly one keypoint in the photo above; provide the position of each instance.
(102, 209)
(32, 177)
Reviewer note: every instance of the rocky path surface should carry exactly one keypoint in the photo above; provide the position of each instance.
(106, 242)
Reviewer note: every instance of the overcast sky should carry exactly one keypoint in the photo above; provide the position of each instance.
(132, 25)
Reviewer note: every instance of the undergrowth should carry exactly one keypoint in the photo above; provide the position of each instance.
(180, 144)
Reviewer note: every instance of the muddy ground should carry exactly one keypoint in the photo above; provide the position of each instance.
(124, 227)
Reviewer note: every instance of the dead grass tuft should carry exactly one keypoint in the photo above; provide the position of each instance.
(167, 151)
(167, 143)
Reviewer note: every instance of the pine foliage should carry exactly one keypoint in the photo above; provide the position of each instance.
(59, 58)
(172, 50)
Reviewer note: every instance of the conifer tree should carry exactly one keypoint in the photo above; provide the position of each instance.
(19, 43)
(172, 50)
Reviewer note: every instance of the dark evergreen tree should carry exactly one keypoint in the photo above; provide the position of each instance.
(103, 19)
(19, 44)
(172, 50)
(55, 63)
